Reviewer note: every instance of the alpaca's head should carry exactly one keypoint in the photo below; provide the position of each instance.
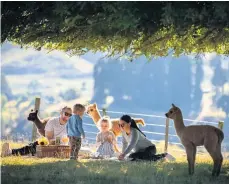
(173, 112)
(92, 110)
(32, 115)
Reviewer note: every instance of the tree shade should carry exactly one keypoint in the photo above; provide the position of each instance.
(123, 28)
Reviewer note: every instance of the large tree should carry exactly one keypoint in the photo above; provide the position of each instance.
(133, 28)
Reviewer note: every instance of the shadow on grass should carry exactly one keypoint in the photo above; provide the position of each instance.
(109, 172)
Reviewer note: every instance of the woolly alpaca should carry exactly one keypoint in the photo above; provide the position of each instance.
(198, 135)
(40, 123)
(93, 111)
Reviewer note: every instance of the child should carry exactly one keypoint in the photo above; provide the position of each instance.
(105, 139)
(75, 130)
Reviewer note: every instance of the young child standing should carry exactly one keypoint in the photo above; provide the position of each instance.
(75, 130)
(105, 139)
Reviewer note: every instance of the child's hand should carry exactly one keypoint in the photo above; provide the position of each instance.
(121, 157)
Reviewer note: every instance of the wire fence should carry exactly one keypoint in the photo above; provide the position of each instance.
(147, 129)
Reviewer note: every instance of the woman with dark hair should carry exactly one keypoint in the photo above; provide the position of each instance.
(134, 139)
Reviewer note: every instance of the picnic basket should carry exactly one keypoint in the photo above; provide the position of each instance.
(55, 151)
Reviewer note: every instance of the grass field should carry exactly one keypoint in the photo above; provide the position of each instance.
(34, 170)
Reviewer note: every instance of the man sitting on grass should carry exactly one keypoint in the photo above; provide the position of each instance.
(55, 127)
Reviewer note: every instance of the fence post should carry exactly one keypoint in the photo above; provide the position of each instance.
(220, 125)
(104, 112)
(37, 107)
(166, 135)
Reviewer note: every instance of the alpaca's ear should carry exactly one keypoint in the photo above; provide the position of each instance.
(95, 105)
(173, 105)
(36, 111)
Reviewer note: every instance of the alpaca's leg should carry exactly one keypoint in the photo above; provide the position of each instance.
(219, 164)
(215, 161)
(190, 150)
(211, 147)
(194, 157)
(220, 157)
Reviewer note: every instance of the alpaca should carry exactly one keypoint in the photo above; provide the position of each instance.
(198, 135)
(40, 124)
(93, 112)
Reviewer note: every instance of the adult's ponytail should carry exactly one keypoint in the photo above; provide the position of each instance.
(134, 125)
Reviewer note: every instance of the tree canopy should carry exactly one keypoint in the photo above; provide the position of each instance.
(131, 28)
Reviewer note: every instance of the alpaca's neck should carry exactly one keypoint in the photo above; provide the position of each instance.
(96, 117)
(179, 123)
(38, 122)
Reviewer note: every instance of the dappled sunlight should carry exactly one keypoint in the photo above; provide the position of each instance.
(27, 160)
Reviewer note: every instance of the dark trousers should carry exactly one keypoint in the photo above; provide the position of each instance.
(148, 153)
(75, 145)
(31, 148)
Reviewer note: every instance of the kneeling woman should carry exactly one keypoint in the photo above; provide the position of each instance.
(134, 139)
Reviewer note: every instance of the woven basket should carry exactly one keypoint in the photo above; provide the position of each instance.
(55, 151)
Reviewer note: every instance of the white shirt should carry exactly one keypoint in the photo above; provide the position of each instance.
(54, 126)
